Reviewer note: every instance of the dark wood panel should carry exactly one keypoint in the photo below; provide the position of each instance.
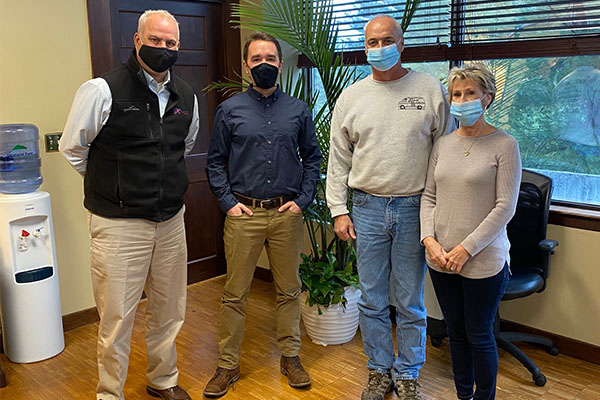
(196, 165)
(199, 76)
(203, 220)
(263, 274)
(128, 22)
(205, 269)
(195, 32)
(103, 57)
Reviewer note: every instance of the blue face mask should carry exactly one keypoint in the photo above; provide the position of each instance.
(383, 58)
(468, 112)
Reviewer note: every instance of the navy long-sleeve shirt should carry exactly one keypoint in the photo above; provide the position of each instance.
(263, 148)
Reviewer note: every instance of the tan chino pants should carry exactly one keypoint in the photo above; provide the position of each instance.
(129, 255)
(281, 235)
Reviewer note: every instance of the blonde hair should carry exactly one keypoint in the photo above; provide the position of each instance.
(147, 13)
(476, 72)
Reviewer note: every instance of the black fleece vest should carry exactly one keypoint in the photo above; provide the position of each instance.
(136, 166)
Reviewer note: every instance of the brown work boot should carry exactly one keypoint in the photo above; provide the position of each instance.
(172, 393)
(292, 367)
(219, 383)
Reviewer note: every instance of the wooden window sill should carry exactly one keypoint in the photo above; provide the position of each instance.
(575, 217)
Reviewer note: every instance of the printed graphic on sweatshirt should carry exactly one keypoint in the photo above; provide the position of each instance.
(411, 103)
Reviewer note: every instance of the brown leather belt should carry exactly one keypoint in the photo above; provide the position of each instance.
(266, 204)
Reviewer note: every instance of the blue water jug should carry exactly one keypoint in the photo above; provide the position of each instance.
(19, 159)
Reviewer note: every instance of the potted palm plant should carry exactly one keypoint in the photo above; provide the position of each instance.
(328, 271)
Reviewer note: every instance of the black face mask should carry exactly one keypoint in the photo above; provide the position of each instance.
(265, 75)
(159, 59)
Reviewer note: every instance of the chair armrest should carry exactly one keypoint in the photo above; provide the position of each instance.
(548, 245)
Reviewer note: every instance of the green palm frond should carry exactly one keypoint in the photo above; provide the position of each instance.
(230, 86)
(409, 12)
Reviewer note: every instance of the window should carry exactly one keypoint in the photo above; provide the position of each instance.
(551, 105)
(429, 24)
(546, 58)
(491, 21)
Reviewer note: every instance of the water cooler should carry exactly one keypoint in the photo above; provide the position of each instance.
(29, 294)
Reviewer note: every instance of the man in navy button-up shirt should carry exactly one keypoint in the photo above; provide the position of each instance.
(263, 166)
(263, 146)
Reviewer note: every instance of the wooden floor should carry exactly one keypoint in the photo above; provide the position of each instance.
(338, 372)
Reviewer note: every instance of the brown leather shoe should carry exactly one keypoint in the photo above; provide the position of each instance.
(172, 393)
(219, 383)
(297, 376)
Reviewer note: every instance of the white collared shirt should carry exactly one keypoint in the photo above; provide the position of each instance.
(91, 109)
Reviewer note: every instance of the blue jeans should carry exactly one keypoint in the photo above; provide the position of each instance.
(389, 251)
(469, 307)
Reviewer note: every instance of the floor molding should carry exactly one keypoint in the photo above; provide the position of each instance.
(80, 318)
(90, 315)
(568, 346)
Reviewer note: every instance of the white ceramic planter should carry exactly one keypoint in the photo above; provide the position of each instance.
(335, 325)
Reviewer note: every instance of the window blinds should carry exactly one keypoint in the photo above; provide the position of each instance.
(471, 21)
(492, 21)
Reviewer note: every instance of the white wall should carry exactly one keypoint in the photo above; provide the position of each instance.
(570, 305)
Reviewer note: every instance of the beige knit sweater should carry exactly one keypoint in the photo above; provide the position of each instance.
(469, 200)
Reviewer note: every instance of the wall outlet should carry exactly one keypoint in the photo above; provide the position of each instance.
(52, 141)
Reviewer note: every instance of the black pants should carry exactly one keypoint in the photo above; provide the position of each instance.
(469, 307)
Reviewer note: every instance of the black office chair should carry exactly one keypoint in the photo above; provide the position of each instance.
(529, 262)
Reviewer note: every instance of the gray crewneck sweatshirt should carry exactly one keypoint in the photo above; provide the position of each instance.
(381, 137)
(470, 199)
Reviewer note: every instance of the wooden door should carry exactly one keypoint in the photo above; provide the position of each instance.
(210, 50)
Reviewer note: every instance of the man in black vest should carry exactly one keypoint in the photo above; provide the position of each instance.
(128, 133)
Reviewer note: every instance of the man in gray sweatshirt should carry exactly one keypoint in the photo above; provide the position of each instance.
(382, 132)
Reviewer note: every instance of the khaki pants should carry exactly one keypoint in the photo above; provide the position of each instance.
(129, 255)
(281, 234)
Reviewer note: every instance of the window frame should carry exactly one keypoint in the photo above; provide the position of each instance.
(576, 215)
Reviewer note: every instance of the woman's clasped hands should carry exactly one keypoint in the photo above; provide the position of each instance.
(451, 261)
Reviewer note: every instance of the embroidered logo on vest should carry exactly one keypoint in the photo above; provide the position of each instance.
(179, 111)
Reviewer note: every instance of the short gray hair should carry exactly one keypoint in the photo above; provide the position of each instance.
(477, 72)
(147, 13)
(398, 26)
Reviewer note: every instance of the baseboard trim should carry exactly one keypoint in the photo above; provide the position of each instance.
(263, 274)
(80, 318)
(568, 346)
(90, 315)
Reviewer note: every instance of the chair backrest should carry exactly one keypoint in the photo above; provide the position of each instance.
(528, 226)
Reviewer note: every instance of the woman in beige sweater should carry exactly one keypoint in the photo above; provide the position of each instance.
(470, 196)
